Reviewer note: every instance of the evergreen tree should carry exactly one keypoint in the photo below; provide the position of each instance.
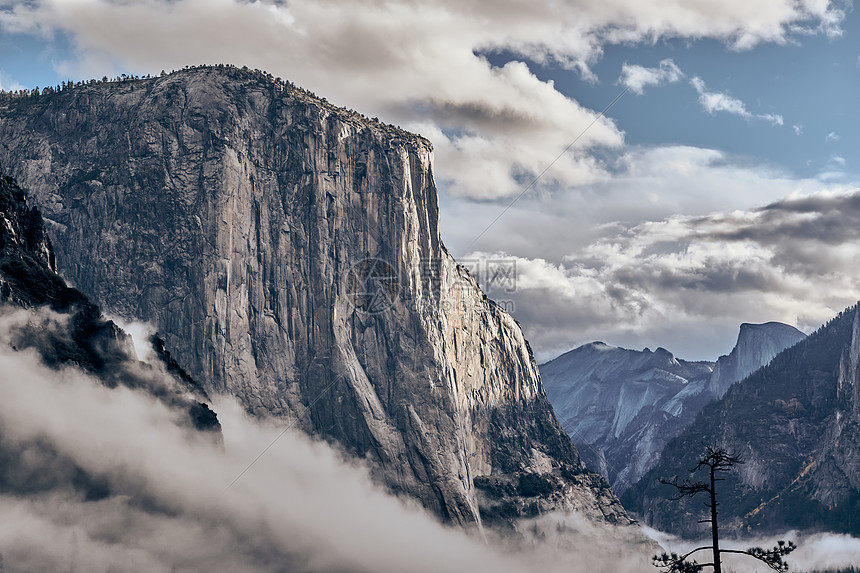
(715, 460)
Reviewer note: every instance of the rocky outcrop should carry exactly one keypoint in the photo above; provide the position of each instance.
(621, 407)
(73, 331)
(756, 346)
(796, 424)
(40, 313)
(289, 252)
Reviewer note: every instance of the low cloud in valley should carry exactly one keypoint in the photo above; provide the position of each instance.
(124, 487)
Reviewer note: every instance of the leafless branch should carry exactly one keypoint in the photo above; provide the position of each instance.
(686, 488)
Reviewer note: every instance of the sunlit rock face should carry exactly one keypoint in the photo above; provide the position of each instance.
(621, 407)
(289, 253)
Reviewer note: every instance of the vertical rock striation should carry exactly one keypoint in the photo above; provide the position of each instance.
(289, 253)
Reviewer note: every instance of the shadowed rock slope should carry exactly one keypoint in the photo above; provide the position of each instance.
(621, 407)
(289, 252)
(39, 312)
(796, 423)
(73, 331)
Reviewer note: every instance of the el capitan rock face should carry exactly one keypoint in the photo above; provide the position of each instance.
(228, 209)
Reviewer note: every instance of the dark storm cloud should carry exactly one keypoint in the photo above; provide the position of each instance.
(816, 204)
(477, 114)
(828, 219)
(721, 277)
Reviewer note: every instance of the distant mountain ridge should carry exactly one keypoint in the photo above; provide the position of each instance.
(796, 423)
(622, 406)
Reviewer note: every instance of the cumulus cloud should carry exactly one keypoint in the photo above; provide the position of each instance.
(635, 77)
(713, 102)
(420, 64)
(798, 129)
(120, 485)
(832, 136)
(647, 184)
(658, 282)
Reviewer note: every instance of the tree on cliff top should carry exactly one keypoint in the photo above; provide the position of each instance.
(715, 460)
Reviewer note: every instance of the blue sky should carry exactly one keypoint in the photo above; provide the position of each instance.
(762, 110)
(812, 81)
(812, 84)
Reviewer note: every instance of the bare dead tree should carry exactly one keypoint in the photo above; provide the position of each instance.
(715, 460)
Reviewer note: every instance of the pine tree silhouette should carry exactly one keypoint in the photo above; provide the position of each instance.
(715, 460)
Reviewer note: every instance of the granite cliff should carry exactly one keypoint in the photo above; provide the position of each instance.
(621, 407)
(796, 424)
(757, 345)
(289, 253)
